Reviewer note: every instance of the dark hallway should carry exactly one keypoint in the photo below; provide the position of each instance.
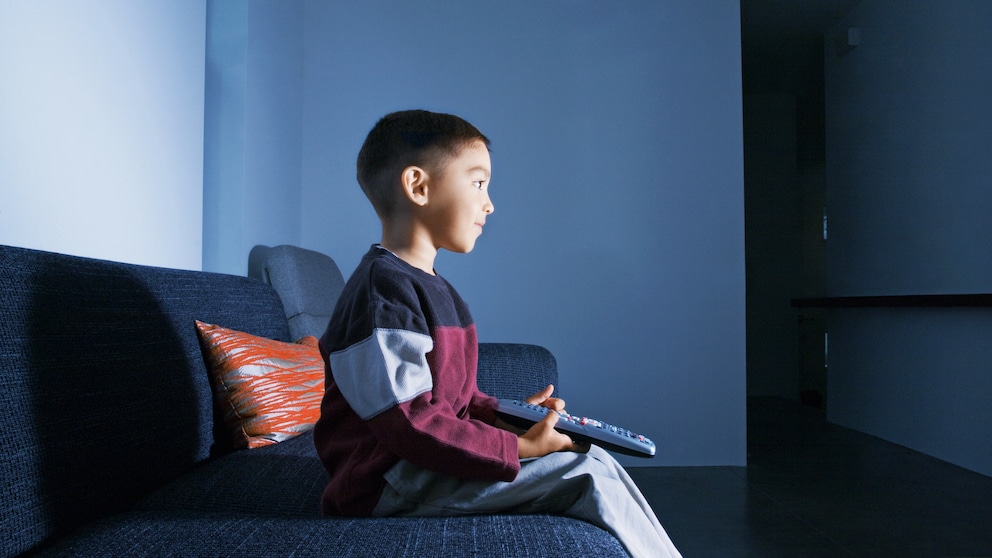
(815, 489)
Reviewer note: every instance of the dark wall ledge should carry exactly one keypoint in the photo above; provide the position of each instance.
(903, 301)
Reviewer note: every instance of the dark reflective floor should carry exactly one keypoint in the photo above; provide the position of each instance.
(816, 489)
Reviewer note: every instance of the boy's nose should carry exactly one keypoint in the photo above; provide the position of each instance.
(489, 208)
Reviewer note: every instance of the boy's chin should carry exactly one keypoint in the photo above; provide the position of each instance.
(464, 249)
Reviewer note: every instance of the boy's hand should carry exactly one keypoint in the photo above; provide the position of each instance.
(542, 438)
(544, 399)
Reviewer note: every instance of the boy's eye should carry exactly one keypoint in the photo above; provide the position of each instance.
(478, 183)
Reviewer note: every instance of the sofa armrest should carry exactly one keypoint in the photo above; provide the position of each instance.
(515, 371)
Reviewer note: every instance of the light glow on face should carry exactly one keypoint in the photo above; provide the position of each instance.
(460, 199)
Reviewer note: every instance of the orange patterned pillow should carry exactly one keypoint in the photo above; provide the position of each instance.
(269, 391)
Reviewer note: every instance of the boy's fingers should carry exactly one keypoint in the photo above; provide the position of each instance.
(541, 396)
(566, 442)
(554, 403)
(546, 393)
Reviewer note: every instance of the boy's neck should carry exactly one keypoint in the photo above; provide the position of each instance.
(405, 246)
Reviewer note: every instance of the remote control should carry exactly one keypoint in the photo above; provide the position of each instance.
(584, 429)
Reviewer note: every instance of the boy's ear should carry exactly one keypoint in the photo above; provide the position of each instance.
(414, 183)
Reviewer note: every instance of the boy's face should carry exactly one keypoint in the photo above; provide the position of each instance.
(459, 199)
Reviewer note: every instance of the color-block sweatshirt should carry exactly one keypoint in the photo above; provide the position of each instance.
(400, 357)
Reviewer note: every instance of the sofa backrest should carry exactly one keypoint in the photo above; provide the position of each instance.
(515, 371)
(103, 392)
(308, 282)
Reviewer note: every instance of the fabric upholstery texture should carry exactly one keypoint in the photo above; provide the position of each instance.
(112, 445)
(308, 282)
(103, 391)
(268, 391)
(179, 534)
(515, 371)
(280, 480)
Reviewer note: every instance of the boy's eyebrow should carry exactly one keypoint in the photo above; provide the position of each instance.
(480, 168)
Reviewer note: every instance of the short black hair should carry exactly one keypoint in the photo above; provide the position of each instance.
(409, 138)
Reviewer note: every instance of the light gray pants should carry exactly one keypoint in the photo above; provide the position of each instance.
(591, 486)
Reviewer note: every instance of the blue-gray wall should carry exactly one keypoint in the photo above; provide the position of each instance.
(909, 191)
(617, 240)
(252, 130)
(101, 128)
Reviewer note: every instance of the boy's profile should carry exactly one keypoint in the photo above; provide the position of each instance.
(404, 429)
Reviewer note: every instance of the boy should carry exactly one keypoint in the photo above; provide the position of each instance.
(404, 429)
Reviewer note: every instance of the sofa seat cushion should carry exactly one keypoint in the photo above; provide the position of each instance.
(282, 480)
(228, 534)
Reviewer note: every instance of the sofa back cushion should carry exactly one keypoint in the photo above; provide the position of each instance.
(515, 371)
(103, 390)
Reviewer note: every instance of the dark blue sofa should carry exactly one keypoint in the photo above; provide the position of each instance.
(109, 442)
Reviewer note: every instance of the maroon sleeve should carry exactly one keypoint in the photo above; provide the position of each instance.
(432, 436)
(483, 407)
